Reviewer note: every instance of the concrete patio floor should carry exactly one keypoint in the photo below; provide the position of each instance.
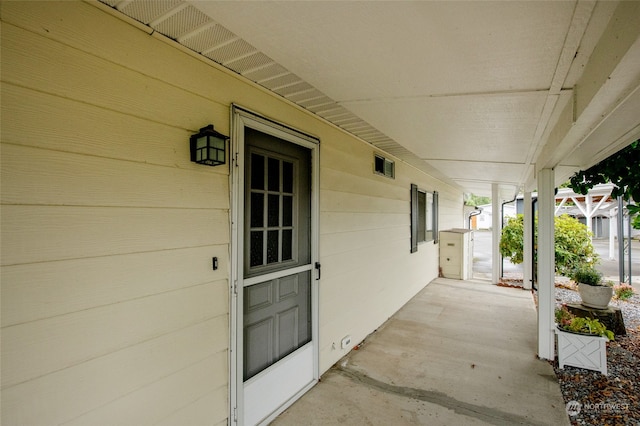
(459, 353)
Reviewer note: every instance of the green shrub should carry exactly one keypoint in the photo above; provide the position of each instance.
(585, 325)
(512, 239)
(590, 326)
(573, 247)
(585, 274)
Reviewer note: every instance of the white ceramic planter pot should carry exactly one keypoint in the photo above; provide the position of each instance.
(595, 296)
(583, 351)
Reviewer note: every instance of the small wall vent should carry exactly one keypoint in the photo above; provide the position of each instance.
(384, 166)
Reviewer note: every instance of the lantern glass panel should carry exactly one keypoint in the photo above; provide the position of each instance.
(201, 142)
(217, 142)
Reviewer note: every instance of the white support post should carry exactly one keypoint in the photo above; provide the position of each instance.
(527, 249)
(589, 216)
(496, 232)
(546, 264)
(613, 230)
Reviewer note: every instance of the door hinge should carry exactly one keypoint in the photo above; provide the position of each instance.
(235, 287)
(235, 415)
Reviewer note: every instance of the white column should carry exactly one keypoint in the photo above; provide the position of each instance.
(613, 230)
(589, 216)
(546, 264)
(496, 232)
(527, 249)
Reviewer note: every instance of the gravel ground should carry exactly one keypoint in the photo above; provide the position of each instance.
(613, 399)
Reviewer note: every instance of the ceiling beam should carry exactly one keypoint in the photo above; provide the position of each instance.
(579, 22)
(597, 93)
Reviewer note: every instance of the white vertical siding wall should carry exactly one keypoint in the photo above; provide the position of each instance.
(111, 313)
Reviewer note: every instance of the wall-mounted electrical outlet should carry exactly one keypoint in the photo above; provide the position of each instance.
(346, 341)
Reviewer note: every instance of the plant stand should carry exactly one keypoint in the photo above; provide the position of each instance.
(583, 351)
(610, 317)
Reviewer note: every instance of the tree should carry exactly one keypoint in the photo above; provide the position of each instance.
(476, 200)
(623, 170)
(573, 247)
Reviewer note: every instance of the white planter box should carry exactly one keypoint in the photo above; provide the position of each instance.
(578, 350)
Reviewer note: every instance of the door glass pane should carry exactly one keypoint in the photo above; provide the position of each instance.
(277, 320)
(257, 210)
(287, 210)
(272, 246)
(273, 210)
(257, 171)
(274, 174)
(256, 250)
(287, 177)
(287, 244)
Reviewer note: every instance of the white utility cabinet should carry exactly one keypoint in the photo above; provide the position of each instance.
(456, 253)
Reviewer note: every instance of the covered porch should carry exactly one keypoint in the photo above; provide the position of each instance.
(124, 270)
(492, 98)
(459, 352)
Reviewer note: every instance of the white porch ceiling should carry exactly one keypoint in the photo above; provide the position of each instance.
(472, 92)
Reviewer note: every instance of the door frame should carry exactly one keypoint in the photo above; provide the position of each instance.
(241, 118)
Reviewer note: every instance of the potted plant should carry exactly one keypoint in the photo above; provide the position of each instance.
(582, 342)
(593, 291)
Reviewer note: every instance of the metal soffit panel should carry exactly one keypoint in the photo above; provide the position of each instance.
(472, 93)
(193, 29)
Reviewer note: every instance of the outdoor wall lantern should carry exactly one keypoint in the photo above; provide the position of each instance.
(208, 147)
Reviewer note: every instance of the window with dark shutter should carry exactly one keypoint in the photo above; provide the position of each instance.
(424, 217)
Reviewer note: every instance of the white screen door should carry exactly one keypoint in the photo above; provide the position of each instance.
(275, 237)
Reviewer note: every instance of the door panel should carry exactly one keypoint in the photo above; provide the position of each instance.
(277, 320)
(277, 356)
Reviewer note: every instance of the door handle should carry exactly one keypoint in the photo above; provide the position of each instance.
(318, 267)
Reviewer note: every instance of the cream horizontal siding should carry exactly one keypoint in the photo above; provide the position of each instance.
(70, 339)
(140, 140)
(367, 268)
(187, 389)
(101, 281)
(46, 233)
(63, 178)
(209, 409)
(111, 313)
(65, 395)
(36, 63)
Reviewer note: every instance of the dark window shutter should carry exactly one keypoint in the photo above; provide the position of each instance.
(435, 216)
(414, 218)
